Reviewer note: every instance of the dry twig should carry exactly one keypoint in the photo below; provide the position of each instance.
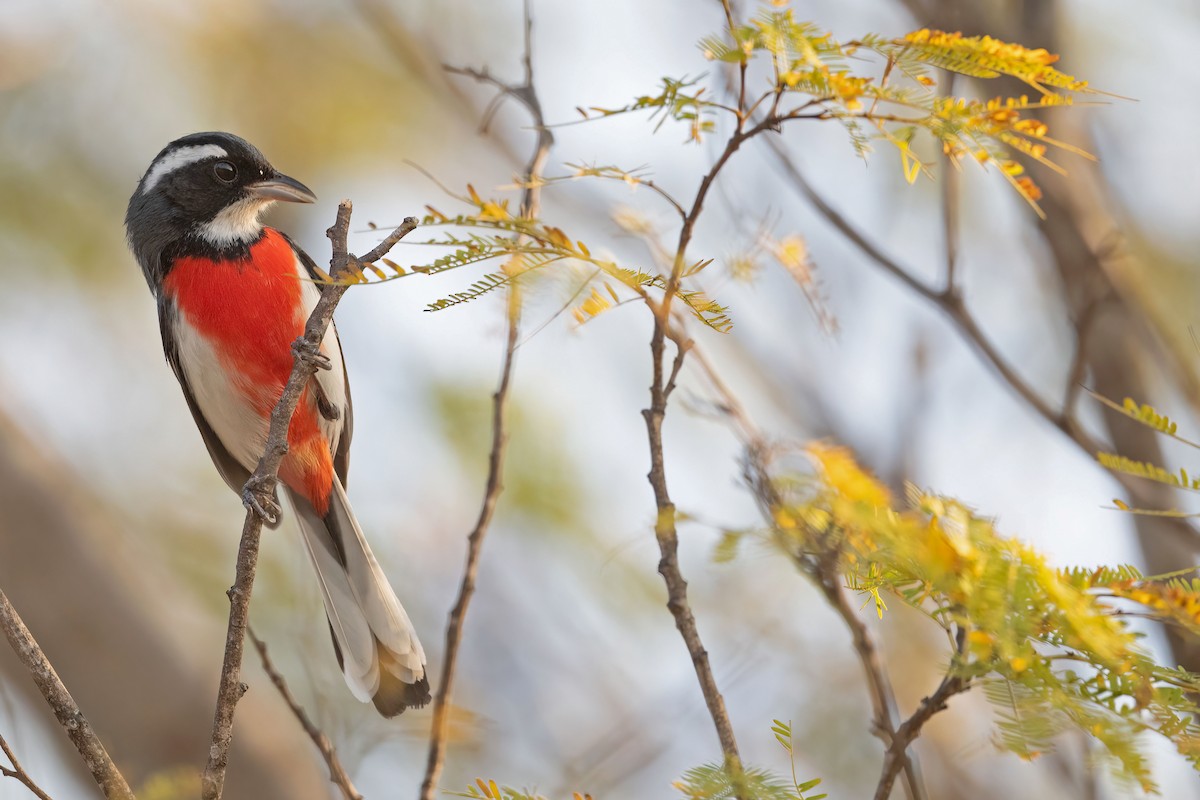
(826, 576)
(526, 94)
(78, 730)
(896, 755)
(337, 773)
(262, 485)
(18, 772)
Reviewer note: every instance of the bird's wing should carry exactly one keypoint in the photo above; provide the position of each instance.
(231, 470)
(341, 453)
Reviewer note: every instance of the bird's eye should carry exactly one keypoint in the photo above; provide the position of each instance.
(225, 172)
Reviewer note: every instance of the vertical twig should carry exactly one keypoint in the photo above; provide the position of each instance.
(337, 773)
(950, 202)
(661, 387)
(530, 202)
(262, 486)
(78, 729)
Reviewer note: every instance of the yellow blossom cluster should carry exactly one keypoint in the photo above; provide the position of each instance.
(981, 44)
(986, 54)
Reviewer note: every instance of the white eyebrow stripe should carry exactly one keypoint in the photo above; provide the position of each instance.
(180, 158)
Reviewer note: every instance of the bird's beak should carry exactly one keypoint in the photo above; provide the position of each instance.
(281, 187)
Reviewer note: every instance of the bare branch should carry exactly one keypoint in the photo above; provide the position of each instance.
(949, 302)
(950, 201)
(824, 574)
(896, 755)
(530, 201)
(661, 387)
(259, 491)
(18, 772)
(337, 773)
(883, 700)
(78, 729)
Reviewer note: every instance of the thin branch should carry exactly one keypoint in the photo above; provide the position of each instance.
(1079, 359)
(530, 202)
(949, 302)
(727, 7)
(950, 201)
(896, 754)
(259, 492)
(660, 391)
(77, 728)
(664, 528)
(18, 772)
(454, 628)
(883, 701)
(337, 773)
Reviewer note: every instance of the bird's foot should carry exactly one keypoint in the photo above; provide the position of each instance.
(262, 501)
(310, 354)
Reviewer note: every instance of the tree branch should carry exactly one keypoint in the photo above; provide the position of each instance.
(261, 488)
(949, 302)
(530, 202)
(897, 752)
(661, 387)
(337, 773)
(18, 772)
(78, 729)
(883, 700)
(825, 575)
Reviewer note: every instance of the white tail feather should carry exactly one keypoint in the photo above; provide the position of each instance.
(370, 627)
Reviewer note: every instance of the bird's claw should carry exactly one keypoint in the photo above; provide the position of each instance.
(264, 503)
(310, 354)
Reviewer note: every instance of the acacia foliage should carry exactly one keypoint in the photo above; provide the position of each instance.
(1051, 648)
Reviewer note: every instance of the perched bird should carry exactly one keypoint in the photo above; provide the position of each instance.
(233, 296)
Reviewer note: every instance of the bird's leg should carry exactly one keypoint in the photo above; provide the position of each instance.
(315, 359)
(310, 354)
(264, 503)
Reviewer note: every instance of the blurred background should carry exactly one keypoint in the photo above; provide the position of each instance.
(117, 537)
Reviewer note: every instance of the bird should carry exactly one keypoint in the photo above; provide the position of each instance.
(233, 297)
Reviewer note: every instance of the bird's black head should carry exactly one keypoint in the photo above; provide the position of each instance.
(202, 195)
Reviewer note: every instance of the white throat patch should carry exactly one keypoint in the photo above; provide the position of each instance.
(237, 223)
(180, 157)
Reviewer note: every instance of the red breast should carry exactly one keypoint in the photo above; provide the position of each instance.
(250, 310)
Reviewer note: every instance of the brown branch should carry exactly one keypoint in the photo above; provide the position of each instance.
(883, 701)
(260, 490)
(897, 752)
(950, 201)
(454, 627)
(530, 201)
(18, 772)
(949, 302)
(77, 728)
(660, 390)
(337, 773)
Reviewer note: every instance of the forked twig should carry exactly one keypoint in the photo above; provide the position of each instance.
(337, 773)
(17, 772)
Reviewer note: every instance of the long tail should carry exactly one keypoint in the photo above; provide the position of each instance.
(376, 645)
